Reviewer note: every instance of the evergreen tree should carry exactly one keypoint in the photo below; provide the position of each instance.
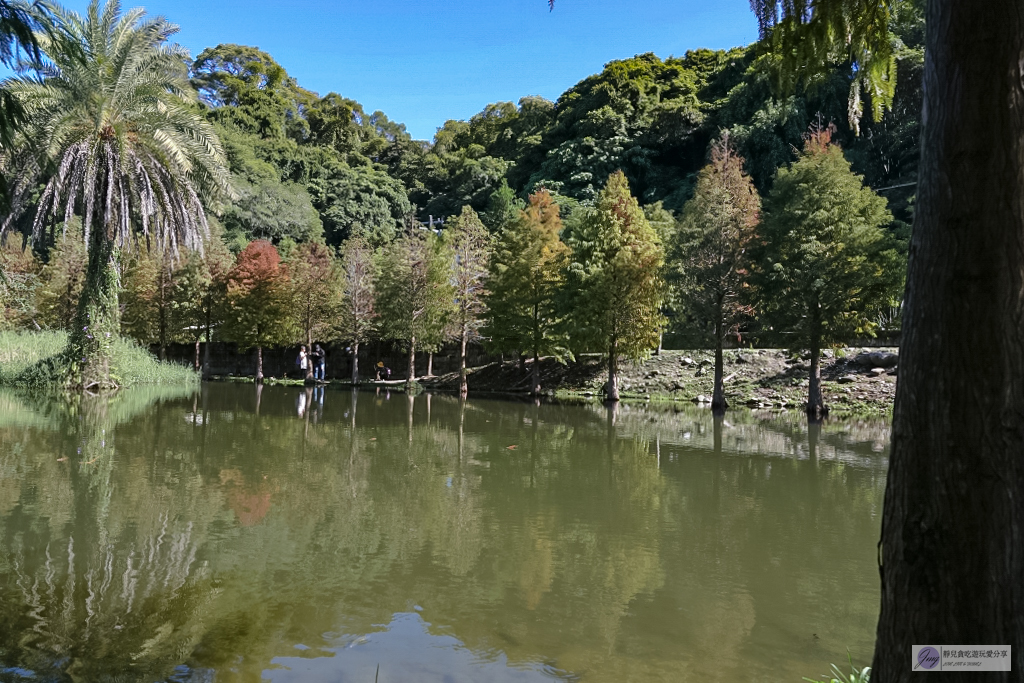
(19, 278)
(147, 296)
(61, 280)
(414, 293)
(357, 314)
(614, 288)
(524, 274)
(824, 263)
(200, 288)
(711, 250)
(313, 273)
(664, 223)
(259, 298)
(503, 207)
(470, 244)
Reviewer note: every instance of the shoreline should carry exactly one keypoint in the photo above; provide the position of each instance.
(855, 381)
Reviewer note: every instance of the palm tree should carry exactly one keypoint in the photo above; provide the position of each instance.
(17, 20)
(113, 131)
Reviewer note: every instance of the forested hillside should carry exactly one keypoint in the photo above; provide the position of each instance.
(572, 205)
(305, 165)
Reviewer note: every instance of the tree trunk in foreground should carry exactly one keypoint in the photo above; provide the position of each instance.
(718, 402)
(463, 384)
(952, 545)
(816, 408)
(98, 321)
(259, 365)
(613, 369)
(355, 362)
(411, 376)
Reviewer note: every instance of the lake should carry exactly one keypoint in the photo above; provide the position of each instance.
(289, 534)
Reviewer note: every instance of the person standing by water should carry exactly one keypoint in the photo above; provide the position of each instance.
(319, 362)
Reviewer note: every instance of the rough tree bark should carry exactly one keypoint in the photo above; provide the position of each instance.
(816, 408)
(535, 373)
(355, 362)
(613, 368)
(952, 545)
(206, 348)
(98, 320)
(718, 402)
(463, 384)
(411, 376)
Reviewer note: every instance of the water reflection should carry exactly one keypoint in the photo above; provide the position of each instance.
(307, 534)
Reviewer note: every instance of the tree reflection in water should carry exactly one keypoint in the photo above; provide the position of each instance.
(151, 535)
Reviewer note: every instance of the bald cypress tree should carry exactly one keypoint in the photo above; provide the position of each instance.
(710, 254)
(824, 263)
(525, 273)
(614, 287)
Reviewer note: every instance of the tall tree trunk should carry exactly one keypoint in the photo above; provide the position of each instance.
(259, 365)
(411, 376)
(206, 349)
(613, 369)
(463, 383)
(952, 544)
(718, 402)
(535, 373)
(98, 320)
(816, 408)
(355, 362)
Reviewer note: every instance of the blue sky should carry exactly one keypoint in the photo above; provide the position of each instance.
(423, 62)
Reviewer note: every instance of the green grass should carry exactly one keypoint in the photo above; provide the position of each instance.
(837, 676)
(36, 359)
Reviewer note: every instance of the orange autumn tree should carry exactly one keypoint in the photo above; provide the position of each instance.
(258, 300)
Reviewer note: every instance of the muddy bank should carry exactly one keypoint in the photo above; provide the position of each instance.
(858, 380)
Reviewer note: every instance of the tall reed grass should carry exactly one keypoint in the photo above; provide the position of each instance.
(36, 359)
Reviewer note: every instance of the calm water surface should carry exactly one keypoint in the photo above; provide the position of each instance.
(300, 535)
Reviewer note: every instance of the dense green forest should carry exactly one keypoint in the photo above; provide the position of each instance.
(323, 202)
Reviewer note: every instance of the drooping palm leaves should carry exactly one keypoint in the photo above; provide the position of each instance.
(17, 23)
(113, 133)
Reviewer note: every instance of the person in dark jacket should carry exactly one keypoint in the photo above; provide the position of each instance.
(319, 362)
